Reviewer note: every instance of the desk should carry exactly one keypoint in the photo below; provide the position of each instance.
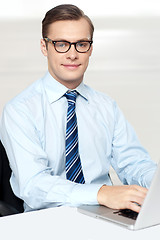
(55, 223)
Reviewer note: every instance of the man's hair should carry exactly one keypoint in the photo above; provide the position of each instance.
(61, 13)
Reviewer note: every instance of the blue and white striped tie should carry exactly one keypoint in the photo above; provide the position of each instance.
(73, 163)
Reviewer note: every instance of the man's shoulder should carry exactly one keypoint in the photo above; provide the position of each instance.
(95, 95)
(29, 97)
(31, 91)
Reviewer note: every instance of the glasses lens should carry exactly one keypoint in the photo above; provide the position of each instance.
(82, 46)
(62, 46)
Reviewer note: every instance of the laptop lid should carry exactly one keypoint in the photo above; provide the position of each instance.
(150, 211)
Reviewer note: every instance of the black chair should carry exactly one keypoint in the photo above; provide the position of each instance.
(9, 203)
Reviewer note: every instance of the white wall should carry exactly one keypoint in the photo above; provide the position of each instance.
(125, 62)
(37, 8)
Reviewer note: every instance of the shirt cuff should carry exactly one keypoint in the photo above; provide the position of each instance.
(84, 194)
(149, 177)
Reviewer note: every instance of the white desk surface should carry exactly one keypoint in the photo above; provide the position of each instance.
(68, 224)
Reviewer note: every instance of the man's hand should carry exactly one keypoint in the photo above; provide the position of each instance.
(121, 197)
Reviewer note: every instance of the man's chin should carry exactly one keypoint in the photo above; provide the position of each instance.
(71, 83)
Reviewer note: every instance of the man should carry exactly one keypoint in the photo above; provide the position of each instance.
(59, 155)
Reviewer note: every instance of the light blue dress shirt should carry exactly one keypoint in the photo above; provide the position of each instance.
(33, 129)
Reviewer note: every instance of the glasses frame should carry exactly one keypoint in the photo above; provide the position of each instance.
(70, 44)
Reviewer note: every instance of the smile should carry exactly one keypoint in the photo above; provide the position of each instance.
(71, 66)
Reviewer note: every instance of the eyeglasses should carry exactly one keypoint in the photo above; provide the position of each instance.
(64, 46)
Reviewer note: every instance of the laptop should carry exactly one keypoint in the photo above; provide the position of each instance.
(148, 216)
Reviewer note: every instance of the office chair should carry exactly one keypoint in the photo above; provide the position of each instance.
(9, 203)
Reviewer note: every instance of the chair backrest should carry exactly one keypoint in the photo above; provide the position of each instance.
(6, 193)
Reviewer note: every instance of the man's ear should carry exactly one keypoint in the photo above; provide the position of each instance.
(43, 48)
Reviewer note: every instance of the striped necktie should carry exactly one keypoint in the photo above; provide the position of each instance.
(73, 163)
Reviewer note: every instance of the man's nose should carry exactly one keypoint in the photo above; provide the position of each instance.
(72, 53)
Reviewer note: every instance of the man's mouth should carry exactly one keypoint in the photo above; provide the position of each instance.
(71, 66)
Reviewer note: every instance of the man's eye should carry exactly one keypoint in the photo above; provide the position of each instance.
(61, 44)
(82, 44)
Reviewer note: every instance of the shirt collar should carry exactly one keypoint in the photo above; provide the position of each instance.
(81, 89)
(56, 90)
(53, 88)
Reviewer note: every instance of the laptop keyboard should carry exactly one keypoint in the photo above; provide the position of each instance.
(127, 213)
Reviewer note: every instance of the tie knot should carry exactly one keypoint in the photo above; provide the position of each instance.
(71, 96)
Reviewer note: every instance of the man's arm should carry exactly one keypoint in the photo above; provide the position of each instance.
(130, 159)
(33, 179)
(133, 165)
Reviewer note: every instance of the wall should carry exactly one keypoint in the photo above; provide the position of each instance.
(125, 64)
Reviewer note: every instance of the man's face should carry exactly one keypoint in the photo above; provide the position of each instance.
(67, 68)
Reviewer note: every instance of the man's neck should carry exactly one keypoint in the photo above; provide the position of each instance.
(70, 84)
